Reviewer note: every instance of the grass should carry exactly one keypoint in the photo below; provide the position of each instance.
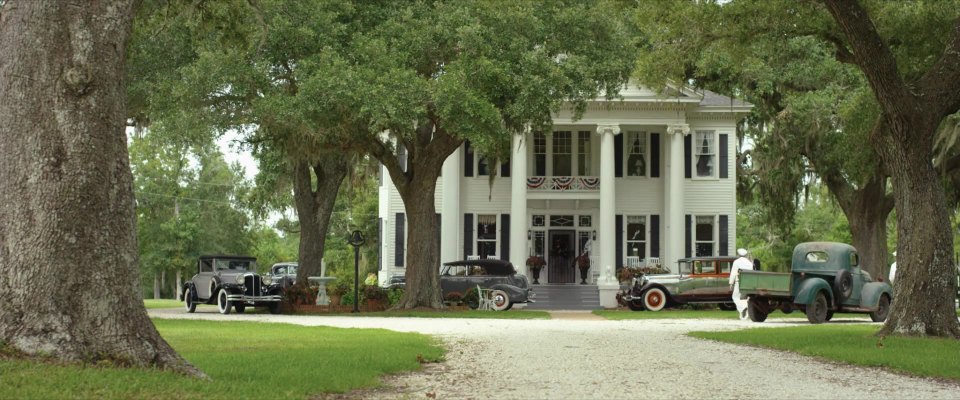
(162, 303)
(243, 359)
(855, 344)
(702, 314)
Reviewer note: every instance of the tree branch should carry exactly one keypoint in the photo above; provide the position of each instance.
(872, 55)
(937, 92)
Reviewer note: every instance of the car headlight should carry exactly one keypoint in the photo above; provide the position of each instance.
(268, 279)
(239, 279)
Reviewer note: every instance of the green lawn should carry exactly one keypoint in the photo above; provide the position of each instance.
(162, 303)
(244, 360)
(511, 314)
(703, 314)
(855, 344)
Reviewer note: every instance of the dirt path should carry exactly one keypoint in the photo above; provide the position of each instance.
(589, 359)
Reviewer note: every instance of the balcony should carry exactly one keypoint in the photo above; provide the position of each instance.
(563, 183)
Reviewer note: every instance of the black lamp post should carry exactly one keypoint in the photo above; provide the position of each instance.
(356, 240)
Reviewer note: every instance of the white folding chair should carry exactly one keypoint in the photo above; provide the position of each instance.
(484, 302)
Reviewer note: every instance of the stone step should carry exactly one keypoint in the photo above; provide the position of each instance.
(566, 297)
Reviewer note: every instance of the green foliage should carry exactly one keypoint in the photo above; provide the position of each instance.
(374, 292)
(817, 219)
(287, 354)
(394, 295)
(855, 344)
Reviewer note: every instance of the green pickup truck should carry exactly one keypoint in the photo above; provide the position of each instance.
(824, 278)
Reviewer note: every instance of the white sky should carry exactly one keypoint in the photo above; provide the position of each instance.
(230, 145)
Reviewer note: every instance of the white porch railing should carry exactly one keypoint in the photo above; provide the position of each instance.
(594, 269)
(563, 183)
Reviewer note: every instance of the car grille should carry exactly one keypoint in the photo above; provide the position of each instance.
(252, 285)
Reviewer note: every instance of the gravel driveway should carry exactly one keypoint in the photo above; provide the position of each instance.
(580, 358)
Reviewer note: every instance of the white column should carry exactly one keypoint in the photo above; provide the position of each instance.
(518, 202)
(606, 234)
(674, 197)
(450, 208)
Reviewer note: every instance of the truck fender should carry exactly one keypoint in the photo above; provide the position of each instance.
(807, 291)
(871, 292)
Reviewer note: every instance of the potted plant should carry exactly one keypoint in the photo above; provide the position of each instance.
(339, 288)
(453, 298)
(536, 263)
(626, 274)
(583, 262)
(376, 296)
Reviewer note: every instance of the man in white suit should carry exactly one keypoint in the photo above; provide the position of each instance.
(741, 263)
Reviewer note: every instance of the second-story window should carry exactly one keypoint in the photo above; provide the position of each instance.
(704, 148)
(539, 154)
(483, 166)
(637, 154)
(583, 153)
(562, 156)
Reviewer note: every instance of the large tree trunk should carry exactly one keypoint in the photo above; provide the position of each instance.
(926, 277)
(68, 245)
(422, 287)
(925, 285)
(314, 208)
(867, 209)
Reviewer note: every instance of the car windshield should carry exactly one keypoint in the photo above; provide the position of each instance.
(285, 270)
(234, 265)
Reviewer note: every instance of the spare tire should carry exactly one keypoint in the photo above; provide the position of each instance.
(842, 286)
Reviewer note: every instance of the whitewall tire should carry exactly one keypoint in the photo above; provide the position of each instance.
(223, 305)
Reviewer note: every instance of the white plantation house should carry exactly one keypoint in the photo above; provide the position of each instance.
(645, 180)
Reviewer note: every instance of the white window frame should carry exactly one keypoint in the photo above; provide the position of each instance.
(629, 242)
(628, 150)
(496, 235)
(697, 145)
(570, 152)
(583, 151)
(714, 242)
(574, 154)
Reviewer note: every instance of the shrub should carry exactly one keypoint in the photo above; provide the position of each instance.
(341, 286)
(394, 295)
(374, 292)
(471, 298)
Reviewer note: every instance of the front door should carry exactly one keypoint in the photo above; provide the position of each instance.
(561, 255)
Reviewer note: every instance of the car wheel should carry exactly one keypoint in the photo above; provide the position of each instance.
(275, 307)
(222, 303)
(635, 305)
(501, 301)
(240, 308)
(883, 308)
(755, 311)
(842, 285)
(829, 315)
(654, 299)
(188, 302)
(727, 306)
(817, 311)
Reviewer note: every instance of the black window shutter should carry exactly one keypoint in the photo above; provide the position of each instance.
(467, 158)
(654, 156)
(467, 235)
(398, 241)
(724, 158)
(617, 156)
(724, 235)
(686, 221)
(439, 229)
(654, 236)
(619, 228)
(687, 154)
(505, 237)
(379, 247)
(505, 168)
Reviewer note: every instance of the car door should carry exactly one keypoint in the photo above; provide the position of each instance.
(699, 284)
(203, 278)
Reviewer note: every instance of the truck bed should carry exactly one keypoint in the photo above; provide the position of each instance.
(765, 283)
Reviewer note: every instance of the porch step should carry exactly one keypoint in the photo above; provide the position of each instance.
(566, 297)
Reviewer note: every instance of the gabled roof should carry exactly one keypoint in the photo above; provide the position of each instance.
(705, 100)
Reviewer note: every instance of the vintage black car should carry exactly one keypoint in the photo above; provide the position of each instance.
(283, 273)
(496, 277)
(230, 282)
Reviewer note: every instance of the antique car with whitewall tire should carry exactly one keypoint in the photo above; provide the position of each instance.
(497, 278)
(699, 280)
(283, 273)
(231, 283)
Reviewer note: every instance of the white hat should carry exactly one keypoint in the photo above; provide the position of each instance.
(742, 252)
